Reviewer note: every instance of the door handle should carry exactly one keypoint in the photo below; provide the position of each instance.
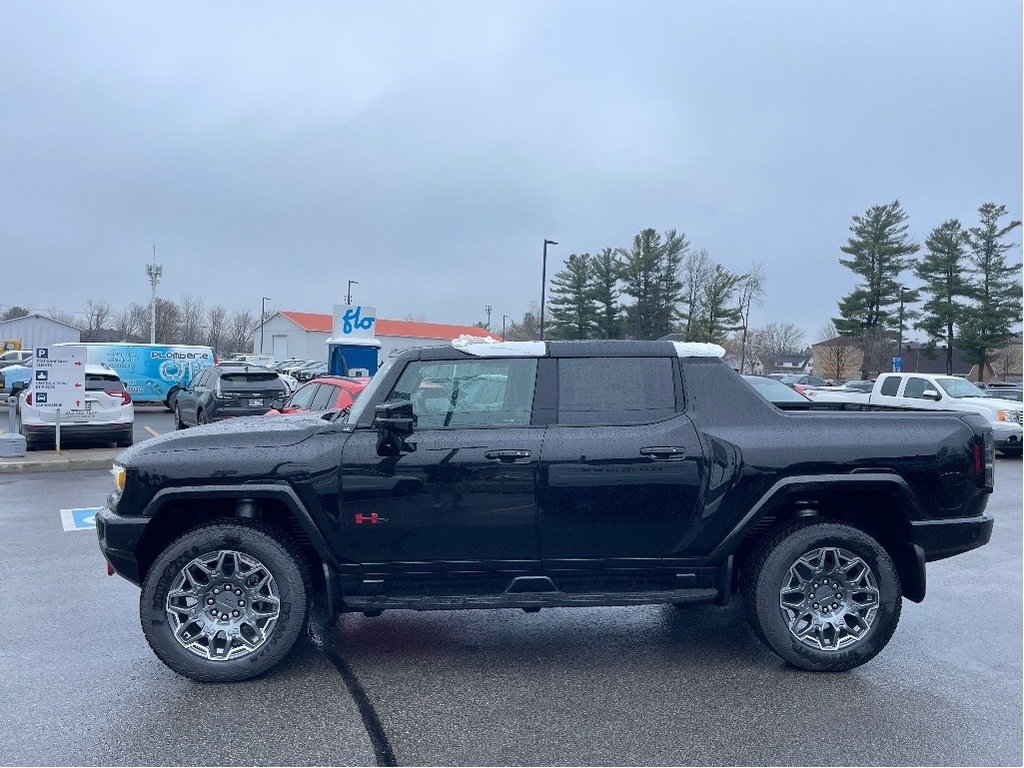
(507, 455)
(664, 452)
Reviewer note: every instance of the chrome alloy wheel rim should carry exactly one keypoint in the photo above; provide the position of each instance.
(829, 599)
(223, 605)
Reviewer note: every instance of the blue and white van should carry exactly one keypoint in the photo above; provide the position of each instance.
(152, 373)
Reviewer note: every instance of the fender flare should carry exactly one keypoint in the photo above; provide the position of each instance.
(909, 560)
(279, 492)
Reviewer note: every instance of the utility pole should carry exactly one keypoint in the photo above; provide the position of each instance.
(263, 319)
(154, 271)
(503, 319)
(348, 294)
(487, 309)
(543, 283)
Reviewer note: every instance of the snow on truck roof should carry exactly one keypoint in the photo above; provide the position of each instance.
(487, 346)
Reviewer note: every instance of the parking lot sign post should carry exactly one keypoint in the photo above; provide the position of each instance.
(58, 381)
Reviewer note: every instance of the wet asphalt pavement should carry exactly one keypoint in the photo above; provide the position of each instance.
(615, 686)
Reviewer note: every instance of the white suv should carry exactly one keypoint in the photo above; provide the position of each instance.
(107, 413)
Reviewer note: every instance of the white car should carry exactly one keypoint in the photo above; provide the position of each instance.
(106, 414)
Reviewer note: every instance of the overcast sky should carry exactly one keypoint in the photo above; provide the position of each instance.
(426, 149)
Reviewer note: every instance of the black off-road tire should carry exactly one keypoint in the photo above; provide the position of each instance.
(178, 423)
(263, 543)
(768, 570)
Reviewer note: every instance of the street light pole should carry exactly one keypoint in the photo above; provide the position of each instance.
(503, 319)
(348, 294)
(899, 337)
(487, 309)
(263, 319)
(543, 283)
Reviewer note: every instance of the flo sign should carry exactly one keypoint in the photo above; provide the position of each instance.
(358, 322)
(58, 378)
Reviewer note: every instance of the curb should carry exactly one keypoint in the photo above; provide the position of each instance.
(51, 461)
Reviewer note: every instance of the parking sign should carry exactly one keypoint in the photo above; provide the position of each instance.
(58, 377)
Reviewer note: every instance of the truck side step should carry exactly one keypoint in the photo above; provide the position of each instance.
(525, 600)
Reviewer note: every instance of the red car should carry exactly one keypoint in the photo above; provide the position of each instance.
(327, 393)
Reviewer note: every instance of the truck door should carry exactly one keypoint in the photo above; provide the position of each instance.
(621, 469)
(913, 395)
(467, 492)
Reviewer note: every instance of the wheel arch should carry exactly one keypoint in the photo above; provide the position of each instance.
(175, 510)
(879, 503)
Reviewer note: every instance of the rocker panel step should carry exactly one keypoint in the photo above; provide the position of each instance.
(526, 600)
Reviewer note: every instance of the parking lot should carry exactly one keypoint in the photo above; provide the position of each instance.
(610, 686)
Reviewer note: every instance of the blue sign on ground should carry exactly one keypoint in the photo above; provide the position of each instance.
(79, 518)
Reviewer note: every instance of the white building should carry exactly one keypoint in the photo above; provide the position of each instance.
(304, 335)
(38, 331)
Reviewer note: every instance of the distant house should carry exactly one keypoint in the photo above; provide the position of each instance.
(792, 363)
(289, 334)
(842, 357)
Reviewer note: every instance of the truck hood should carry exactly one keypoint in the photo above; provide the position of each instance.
(244, 433)
(987, 406)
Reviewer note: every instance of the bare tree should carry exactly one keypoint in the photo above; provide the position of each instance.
(750, 290)
(697, 271)
(97, 316)
(68, 318)
(168, 321)
(239, 330)
(839, 356)
(192, 311)
(774, 339)
(216, 326)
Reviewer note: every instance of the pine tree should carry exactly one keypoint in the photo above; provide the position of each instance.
(650, 274)
(942, 272)
(604, 289)
(879, 251)
(573, 315)
(719, 314)
(995, 286)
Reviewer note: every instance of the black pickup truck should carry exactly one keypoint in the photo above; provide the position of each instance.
(539, 475)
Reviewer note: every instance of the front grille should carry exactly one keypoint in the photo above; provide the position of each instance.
(1015, 416)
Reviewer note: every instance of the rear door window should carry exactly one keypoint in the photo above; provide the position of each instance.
(324, 398)
(304, 397)
(890, 386)
(628, 390)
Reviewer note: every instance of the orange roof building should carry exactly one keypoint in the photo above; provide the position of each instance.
(290, 334)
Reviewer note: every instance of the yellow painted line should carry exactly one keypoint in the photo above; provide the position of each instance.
(152, 431)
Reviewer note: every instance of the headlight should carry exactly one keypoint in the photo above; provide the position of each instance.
(1001, 415)
(118, 472)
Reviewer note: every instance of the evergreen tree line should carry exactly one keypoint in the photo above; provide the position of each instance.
(657, 286)
(968, 291)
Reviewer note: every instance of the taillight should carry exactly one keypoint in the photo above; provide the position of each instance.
(124, 394)
(28, 399)
(984, 460)
(979, 458)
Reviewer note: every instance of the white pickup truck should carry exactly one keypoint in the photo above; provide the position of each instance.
(925, 391)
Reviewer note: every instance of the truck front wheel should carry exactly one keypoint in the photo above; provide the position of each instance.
(824, 596)
(225, 601)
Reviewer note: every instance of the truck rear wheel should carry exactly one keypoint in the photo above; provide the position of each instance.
(824, 596)
(225, 601)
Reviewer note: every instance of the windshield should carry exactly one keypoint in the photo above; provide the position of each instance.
(367, 394)
(959, 387)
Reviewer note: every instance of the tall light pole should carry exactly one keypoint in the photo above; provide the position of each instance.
(348, 294)
(543, 283)
(154, 271)
(899, 338)
(487, 309)
(503, 319)
(263, 319)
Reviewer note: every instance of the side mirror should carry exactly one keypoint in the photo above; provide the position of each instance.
(931, 394)
(277, 403)
(395, 421)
